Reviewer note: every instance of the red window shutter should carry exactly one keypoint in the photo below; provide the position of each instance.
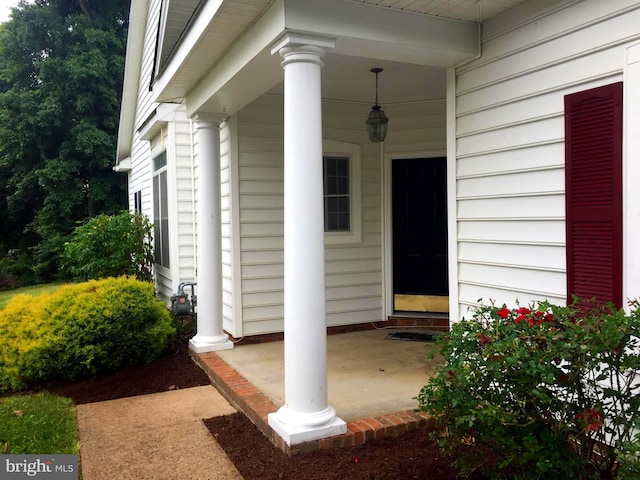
(593, 176)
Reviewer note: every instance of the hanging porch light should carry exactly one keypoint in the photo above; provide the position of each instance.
(377, 123)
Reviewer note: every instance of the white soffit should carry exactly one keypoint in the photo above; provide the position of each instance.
(215, 28)
(219, 26)
(464, 10)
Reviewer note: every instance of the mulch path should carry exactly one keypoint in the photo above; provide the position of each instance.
(412, 456)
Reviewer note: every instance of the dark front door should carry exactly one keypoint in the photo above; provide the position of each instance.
(419, 211)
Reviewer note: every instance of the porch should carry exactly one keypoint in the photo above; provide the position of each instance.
(371, 384)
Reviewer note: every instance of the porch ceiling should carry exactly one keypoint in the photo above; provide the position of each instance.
(465, 10)
(216, 30)
(349, 79)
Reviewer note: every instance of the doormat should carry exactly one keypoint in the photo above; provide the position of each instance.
(410, 337)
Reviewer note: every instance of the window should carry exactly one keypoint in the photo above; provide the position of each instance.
(337, 195)
(137, 201)
(342, 212)
(160, 210)
(593, 155)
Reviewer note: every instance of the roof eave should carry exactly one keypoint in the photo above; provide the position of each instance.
(130, 86)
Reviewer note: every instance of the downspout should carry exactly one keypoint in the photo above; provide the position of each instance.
(479, 33)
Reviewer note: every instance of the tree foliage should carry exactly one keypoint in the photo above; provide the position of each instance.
(111, 246)
(61, 70)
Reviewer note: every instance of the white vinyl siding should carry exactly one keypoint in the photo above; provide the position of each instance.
(353, 271)
(184, 222)
(510, 142)
(231, 320)
(145, 104)
(140, 174)
(261, 203)
(175, 139)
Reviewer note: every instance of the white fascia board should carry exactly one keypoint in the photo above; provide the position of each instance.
(164, 113)
(124, 165)
(133, 62)
(187, 44)
(363, 30)
(246, 71)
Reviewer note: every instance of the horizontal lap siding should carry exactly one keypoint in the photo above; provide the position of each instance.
(145, 105)
(140, 175)
(185, 219)
(510, 141)
(261, 190)
(141, 172)
(226, 228)
(228, 273)
(353, 272)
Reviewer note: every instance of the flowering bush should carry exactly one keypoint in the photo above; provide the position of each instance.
(553, 391)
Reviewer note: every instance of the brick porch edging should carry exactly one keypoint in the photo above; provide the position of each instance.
(247, 399)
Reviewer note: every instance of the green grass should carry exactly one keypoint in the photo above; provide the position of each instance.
(39, 423)
(6, 295)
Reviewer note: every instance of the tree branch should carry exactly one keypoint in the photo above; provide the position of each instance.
(85, 10)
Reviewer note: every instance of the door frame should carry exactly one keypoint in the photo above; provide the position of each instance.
(387, 220)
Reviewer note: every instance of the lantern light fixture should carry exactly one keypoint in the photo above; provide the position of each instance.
(377, 123)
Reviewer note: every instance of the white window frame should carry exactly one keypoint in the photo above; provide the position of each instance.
(334, 148)
(156, 173)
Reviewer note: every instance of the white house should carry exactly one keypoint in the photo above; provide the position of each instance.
(509, 170)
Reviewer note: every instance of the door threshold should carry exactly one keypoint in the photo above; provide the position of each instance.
(437, 322)
(421, 303)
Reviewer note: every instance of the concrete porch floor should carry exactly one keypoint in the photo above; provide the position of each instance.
(372, 383)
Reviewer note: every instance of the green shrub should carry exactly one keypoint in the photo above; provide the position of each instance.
(553, 392)
(16, 271)
(110, 246)
(80, 331)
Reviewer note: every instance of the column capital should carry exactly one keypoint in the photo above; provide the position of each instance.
(209, 120)
(311, 47)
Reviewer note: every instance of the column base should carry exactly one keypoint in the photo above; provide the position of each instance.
(203, 344)
(301, 431)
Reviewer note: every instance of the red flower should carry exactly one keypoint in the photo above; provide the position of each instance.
(451, 374)
(523, 311)
(483, 339)
(592, 418)
(503, 312)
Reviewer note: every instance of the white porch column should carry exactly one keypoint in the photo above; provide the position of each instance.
(210, 335)
(306, 414)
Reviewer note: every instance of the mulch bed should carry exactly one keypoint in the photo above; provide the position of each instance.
(412, 456)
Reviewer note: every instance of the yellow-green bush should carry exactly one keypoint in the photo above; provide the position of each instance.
(81, 330)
